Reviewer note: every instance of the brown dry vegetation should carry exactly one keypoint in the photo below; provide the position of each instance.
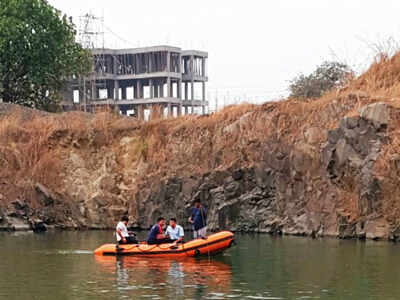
(35, 148)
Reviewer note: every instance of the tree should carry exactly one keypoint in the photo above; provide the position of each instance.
(327, 76)
(38, 53)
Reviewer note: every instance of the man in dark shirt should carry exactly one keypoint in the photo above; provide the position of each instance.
(156, 235)
(198, 219)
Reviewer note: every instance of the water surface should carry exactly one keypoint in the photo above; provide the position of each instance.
(60, 265)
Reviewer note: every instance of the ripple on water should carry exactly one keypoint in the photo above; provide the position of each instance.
(64, 252)
(215, 296)
(263, 297)
(147, 287)
(128, 288)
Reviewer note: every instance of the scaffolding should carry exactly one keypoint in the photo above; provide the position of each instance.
(91, 36)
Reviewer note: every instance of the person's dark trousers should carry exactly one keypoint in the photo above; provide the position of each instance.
(160, 241)
(129, 240)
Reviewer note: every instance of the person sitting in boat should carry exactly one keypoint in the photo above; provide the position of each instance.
(198, 219)
(156, 235)
(122, 233)
(174, 231)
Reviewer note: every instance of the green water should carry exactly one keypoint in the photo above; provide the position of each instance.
(60, 265)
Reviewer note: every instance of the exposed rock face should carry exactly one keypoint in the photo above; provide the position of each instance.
(288, 191)
(321, 182)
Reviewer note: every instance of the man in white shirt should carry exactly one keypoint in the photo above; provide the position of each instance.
(122, 233)
(175, 231)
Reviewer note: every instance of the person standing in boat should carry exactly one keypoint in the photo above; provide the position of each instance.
(174, 231)
(122, 233)
(156, 235)
(198, 219)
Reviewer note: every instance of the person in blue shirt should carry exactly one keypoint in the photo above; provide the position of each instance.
(198, 219)
(156, 235)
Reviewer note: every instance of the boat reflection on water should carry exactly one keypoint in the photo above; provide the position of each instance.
(170, 277)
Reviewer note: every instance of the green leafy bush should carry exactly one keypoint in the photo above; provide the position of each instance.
(327, 76)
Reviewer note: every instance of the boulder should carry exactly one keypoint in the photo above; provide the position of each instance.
(37, 225)
(47, 197)
(314, 135)
(377, 113)
(18, 225)
(19, 204)
(238, 174)
(376, 229)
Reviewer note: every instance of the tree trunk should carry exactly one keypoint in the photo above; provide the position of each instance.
(6, 95)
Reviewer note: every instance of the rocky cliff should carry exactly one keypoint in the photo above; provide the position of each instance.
(323, 167)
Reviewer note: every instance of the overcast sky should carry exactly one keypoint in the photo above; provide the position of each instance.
(255, 47)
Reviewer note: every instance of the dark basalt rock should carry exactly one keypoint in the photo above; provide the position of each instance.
(38, 225)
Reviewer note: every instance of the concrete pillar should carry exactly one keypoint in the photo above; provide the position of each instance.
(180, 64)
(191, 64)
(203, 67)
(156, 86)
(168, 61)
(138, 95)
(186, 90)
(203, 91)
(162, 88)
(94, 90)
(203, 109)
(180, 110)
(116, 90)
(115, 67)
(151, 88)
(192, 96)
(172, 89)
(170, 110)
(150, 62)
(179, 89)
(110, 92)
(169, 87)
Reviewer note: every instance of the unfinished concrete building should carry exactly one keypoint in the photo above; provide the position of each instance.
(161, 78)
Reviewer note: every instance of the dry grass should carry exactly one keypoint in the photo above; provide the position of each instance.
(34, 149)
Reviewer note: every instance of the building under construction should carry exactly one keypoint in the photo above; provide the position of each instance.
(161, 78)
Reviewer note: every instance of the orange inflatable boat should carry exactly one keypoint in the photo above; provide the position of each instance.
(212, 244)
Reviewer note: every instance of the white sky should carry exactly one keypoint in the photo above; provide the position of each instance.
(255, 46)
